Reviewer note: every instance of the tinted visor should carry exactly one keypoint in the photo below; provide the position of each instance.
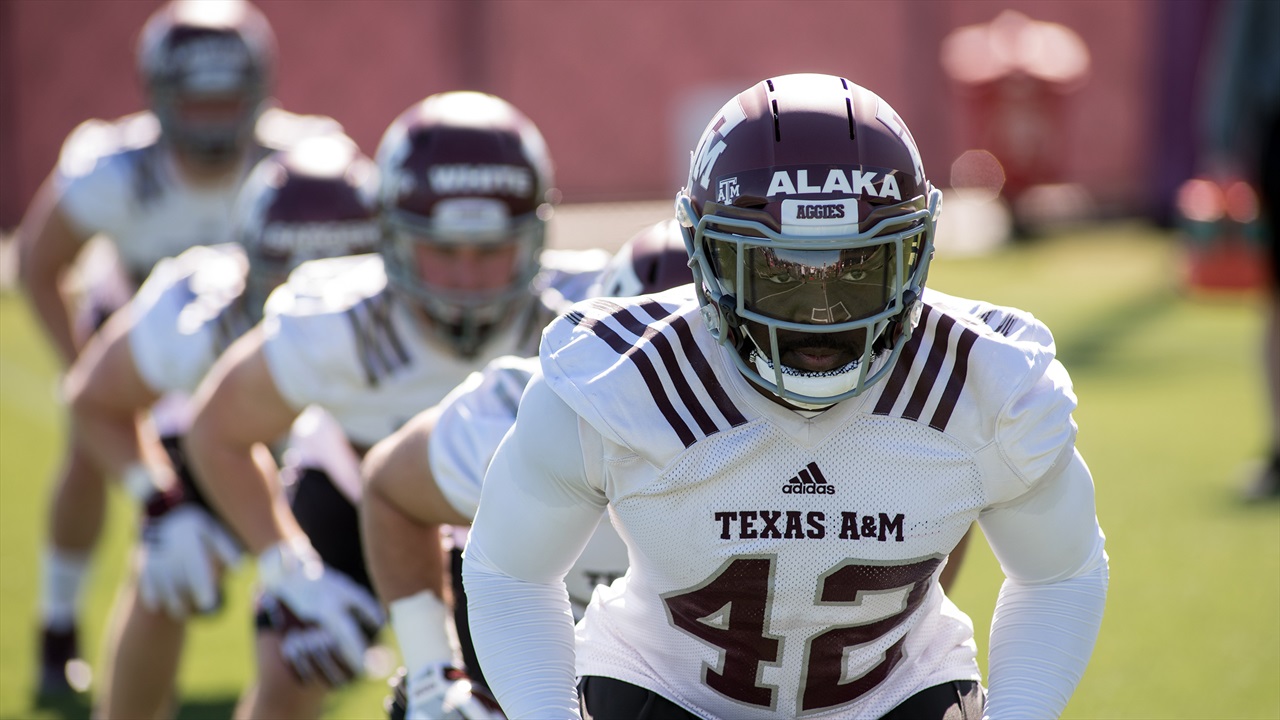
(813, 287)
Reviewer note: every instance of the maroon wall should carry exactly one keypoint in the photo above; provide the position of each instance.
(620, 89)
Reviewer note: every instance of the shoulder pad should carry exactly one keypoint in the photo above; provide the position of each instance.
(328, 284)
(568, 276)
(279, 129)
(95, 139)
(983, 317)
(640, 371)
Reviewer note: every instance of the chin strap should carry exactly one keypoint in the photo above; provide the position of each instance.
(830, 383)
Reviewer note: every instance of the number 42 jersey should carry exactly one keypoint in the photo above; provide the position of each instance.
(786, 564)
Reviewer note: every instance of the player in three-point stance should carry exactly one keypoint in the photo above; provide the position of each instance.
(465, 190)
(807, 353)
(153, 184)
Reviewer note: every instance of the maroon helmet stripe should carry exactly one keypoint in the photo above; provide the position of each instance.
(698, 362)
(378, 342)
(898, 378)
(929, 374)
(647, 372)
(955, 383)
(663, 345)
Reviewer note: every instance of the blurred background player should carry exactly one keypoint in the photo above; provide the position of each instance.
(465, 185)
(154, 183)
(1242, 141)
(790, 484)
(429, 473)
(314, 200)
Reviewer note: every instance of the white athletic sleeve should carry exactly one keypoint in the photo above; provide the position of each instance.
(1050, 607)
(536, 513)
(474, 417)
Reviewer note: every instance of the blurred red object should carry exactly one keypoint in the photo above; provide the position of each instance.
(1016, 72)
(1222, 235)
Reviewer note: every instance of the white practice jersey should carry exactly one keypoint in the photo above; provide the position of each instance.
(785, 565)
(118, 179)
(339, 337)
(189, 310)
(473, 420)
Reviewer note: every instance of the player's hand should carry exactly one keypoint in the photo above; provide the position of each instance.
(327, 616)
(184, 552)
(442, 691)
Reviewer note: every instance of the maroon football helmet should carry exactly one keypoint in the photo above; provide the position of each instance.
(653, 260)
(314, 200)
(207, 66)
(466, 190)
(810, 223)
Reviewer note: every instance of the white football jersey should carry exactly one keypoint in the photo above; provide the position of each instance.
(187, 312)
(339, 337)
(473, 419)
(117, 178)
(785, 565)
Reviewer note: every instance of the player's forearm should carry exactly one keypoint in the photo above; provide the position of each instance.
(523, 636)
(1041, 639)
(404, 556)
(406, 564)
(47, 246)
(241, 487)
(114, 442)
(51, 310)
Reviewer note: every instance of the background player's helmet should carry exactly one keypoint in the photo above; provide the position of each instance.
(314, 200)
(207, 65)
(653, 260)
(464, 174)
(807, 213)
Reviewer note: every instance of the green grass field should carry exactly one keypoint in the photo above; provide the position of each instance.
(1171, 411)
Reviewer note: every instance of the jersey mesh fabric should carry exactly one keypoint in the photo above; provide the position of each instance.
(802, 549)
(838, 613)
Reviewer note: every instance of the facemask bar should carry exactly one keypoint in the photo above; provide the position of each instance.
(724, 313)
(210, 142)
(463, 319)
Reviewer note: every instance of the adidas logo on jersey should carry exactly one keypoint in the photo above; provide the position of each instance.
(809, 481)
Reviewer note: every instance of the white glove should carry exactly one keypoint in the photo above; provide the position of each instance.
(326, 613)
(442, 691)
(185, 551)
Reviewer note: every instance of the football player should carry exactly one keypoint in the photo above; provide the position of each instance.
(312, 201)
(428, 473)
(465, 191)
(154, 183)
(1240, 122)
(790, 448)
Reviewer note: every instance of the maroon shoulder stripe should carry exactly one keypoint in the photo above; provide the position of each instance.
(662, 343)
(955, 383)
(898, 378)
(701, 367)
(932, 364)
(647, 372)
